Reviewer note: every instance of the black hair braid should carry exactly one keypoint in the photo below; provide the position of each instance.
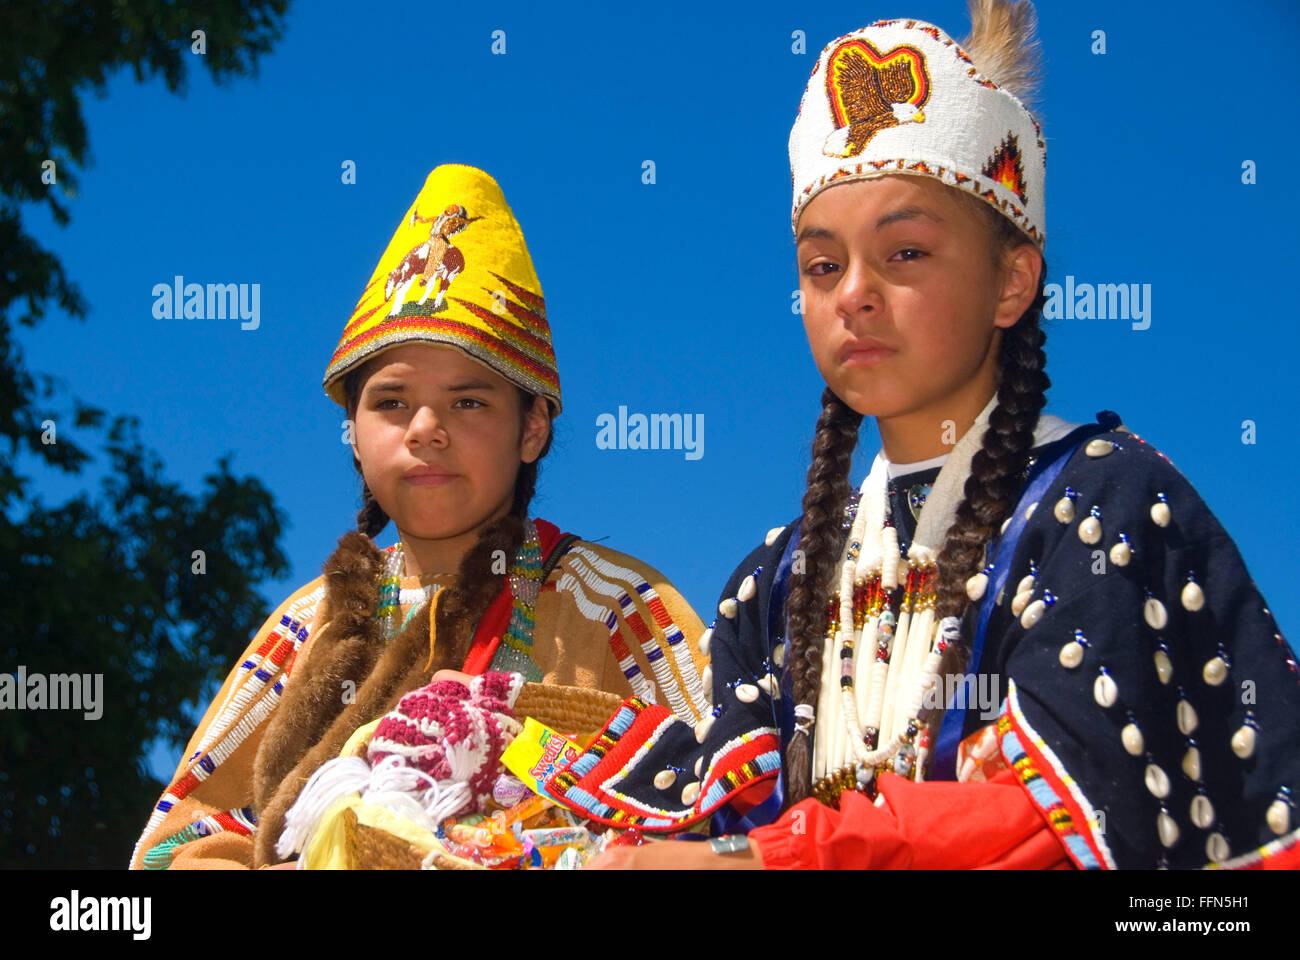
(821, 537)
(371, 518)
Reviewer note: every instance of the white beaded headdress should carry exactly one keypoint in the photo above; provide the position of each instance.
(902, 97)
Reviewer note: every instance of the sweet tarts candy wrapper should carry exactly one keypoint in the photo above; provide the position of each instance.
(537, 753)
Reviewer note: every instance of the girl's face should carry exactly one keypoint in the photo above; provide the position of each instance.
(431, 409)
(903, 305)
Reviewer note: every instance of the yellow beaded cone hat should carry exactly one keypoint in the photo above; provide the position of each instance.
(456, 273)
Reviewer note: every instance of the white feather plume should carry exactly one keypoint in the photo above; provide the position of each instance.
(1005, 48)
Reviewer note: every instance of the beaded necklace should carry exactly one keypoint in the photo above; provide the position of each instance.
(888, 644)
(389, 609)
(525, 576)
(513, 655)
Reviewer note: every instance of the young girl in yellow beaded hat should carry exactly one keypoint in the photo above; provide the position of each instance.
(1025, 642)
(448, 378)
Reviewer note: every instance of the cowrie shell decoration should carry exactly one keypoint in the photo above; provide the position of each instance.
(1160, 511)
(1132, 739)
(1155, 614)
(1278, 817)
(1071, 654)
(703, 642)
(1167, 829)
(1033, 613)
(1164, 667)
(1104, 690)
(702, 728)
(1157, 781)
(1090, 527)
(1215, 671)
(1243, 741)
(1202, 811)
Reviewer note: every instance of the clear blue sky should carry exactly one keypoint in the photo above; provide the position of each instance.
(673, 297)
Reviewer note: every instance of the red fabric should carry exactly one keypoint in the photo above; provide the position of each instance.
(1288, 859)
(491, 628)
(548, 534)
(941, 825)
(752, 795)
(494, 623)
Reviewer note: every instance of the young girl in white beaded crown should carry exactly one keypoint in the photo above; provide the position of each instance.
(1024, 642)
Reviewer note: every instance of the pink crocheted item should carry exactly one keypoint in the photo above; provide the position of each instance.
(452, 732)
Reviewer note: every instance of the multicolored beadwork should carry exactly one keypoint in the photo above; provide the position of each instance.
(525, 577)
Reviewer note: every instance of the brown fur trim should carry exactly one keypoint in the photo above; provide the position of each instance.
(344, 650)
(398, 670)
(312, 723)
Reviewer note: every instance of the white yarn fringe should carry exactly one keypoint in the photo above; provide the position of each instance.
(390, 784)
(335, 778)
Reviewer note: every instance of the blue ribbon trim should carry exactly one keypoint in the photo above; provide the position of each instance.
(1041, 477)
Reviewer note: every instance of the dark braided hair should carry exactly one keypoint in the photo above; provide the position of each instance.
(821, 536)
(990, 493)
(462, 604)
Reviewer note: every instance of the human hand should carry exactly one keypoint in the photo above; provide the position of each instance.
(456, 675)
(676, 855)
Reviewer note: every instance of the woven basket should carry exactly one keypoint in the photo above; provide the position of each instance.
(370, 848)
(565, 709)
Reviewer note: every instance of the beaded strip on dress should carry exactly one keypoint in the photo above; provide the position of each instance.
(525, 577)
